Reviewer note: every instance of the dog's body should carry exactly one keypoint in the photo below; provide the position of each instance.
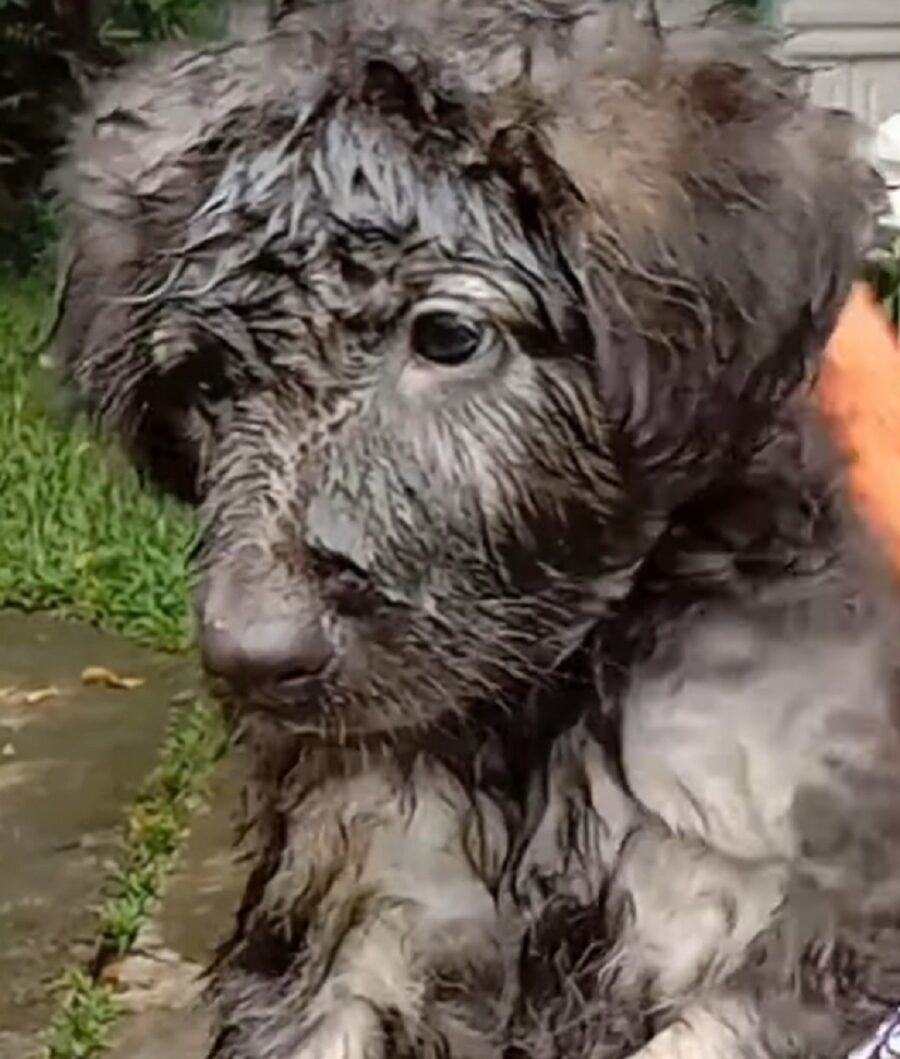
(480, 334)
(508, 888)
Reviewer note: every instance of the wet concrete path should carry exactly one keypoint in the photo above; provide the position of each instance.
(160, 985)
(72, 758)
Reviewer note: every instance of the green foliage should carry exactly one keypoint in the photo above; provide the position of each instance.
(883, 273)
(48, 50)
(128, 22)
(36, 78)
(78, 533)
(86, 1014)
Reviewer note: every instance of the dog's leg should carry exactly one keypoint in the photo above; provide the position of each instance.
(698, 1034)
(727, 1027)
(770, 764)
(635, 926)
(375, 934)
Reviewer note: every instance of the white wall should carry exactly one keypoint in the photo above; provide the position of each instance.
(854, 46)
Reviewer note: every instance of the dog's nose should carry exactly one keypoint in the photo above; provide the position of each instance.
(249, 643)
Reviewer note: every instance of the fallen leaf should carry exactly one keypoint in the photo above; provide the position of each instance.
(112, 973)
(100, 675)
(32, 698)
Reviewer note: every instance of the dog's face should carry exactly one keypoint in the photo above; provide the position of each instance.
(434, 380)
(406, 473)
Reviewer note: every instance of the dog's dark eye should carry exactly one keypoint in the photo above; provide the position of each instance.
(445, 337)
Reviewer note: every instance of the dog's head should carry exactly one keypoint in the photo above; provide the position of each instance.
(436, 311)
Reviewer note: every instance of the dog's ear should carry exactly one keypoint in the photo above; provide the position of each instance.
(128, 184)
(719, 220)
(149, 151)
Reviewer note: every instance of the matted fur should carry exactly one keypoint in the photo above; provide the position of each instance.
(605, 758)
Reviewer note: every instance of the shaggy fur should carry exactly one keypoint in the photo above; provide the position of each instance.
(603, 761)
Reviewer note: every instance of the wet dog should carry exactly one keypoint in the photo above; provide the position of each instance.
(480, 335)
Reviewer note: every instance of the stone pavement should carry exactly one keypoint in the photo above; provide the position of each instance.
(72, 758)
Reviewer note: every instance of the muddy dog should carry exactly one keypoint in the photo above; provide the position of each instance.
(480, 333)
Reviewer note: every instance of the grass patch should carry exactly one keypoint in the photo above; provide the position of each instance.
(157, 823)
(78, 534)
(87, 1013)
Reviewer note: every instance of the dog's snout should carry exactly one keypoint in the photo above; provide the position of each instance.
(252, 637)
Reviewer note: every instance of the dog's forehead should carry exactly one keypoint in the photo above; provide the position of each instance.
(341, 220)
(356, 183)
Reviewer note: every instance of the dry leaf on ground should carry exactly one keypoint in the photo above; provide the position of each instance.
(101, 676)
(32, 698)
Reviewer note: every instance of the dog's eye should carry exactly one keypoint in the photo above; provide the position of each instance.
(445, 337)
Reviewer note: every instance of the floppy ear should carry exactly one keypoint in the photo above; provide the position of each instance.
(141, 161)
(128, 186)
(720, 222)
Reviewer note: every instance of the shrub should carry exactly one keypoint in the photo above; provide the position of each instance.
(49, 50)
(883, 273)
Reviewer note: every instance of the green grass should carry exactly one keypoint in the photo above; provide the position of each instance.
(78, 534)
(157, 822)
(87, 1013)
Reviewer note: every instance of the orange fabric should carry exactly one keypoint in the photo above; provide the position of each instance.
(860, 390)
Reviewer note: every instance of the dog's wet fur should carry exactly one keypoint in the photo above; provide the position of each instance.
(602, 756)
